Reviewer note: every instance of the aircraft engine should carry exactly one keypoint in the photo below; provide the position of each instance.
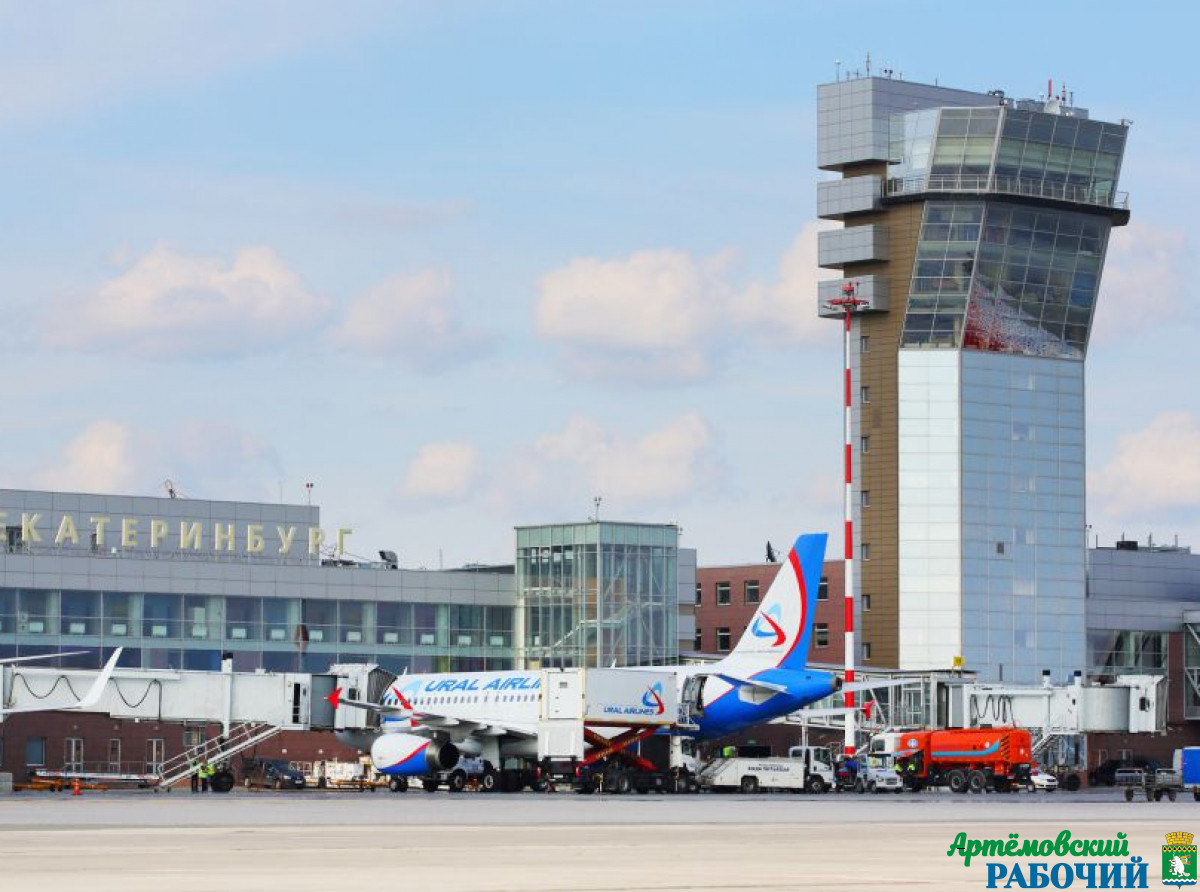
(403, 754)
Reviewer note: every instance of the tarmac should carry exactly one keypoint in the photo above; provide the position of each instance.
(178, 842)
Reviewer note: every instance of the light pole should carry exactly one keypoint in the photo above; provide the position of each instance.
(849, 303)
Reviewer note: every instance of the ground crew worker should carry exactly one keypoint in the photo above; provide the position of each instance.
(206, 773)
(195, 776)
(729, 752)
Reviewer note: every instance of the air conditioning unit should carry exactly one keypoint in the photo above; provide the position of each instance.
(428, 638)
(199, 631)
(158, 631)
(119, 629)
(77, 629)
(238, 633)
(391, 637)
(353, 637)
(36, 626)
(496, 641)
(316, 634)
(465, 640)
(278, 634)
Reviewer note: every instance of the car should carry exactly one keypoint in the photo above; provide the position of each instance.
(1040, 780)
(273, 774)
(1105, 773)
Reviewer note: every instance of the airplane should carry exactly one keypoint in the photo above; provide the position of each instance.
(90, 698)
(429, 720)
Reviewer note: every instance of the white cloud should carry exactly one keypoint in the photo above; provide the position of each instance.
(665, 316)
(1155, 475)
(205, 460)
(442, 472)
(649, 315)
(413, 320)
(170, 304)
(99, 459)
(785, 313)
(586, 459)
(1144, 283)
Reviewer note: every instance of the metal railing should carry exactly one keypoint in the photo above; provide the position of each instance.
(241, 737)
(1028, 187)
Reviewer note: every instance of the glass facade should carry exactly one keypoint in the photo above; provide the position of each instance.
(1005, 278)
(169, 631)
(991, 426)
(598, 594)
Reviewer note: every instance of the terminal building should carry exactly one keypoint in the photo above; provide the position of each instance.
(974, 230)
(180, 583)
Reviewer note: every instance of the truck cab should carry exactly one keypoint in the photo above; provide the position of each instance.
(818, 766)
(880, 775)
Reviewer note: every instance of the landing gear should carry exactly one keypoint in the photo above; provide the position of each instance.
(429, 784)
(398, 784)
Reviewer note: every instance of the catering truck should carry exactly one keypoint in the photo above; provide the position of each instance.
(974, 759)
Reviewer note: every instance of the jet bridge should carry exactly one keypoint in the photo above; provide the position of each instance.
(1058, 715)
(250, 706)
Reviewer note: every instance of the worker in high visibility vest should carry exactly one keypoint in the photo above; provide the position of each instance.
(206, 773)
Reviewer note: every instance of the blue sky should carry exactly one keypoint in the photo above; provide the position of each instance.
(465, 266)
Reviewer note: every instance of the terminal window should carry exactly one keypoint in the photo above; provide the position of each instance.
(698, 644)
(751, 590)
(821, 635)
(722, 639)
(823, 589)
(866, 603)
(723, 590)
(699, 592)
(866, 651)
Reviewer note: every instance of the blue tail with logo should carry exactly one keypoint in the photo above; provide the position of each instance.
(780, 633)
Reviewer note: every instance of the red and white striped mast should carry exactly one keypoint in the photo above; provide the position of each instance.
(849, 304)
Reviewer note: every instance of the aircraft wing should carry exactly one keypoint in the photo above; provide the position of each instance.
(429, 724)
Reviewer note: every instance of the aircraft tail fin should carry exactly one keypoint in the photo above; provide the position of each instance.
(780, 632)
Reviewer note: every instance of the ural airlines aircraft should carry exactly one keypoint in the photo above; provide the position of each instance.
(430, 720)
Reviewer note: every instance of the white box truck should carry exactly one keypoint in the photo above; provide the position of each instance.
(805, 768)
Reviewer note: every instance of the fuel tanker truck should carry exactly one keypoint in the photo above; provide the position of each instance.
(974, 759)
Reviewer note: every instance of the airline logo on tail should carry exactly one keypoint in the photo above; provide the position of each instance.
(652, 699)
(771, 629)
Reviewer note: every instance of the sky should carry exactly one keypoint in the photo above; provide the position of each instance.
(469, 266)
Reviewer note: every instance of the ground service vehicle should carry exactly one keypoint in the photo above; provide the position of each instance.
(809, 769)
(879, 776)
(974, 759)
(273, 774)
(1187, 764)
(1154, 785)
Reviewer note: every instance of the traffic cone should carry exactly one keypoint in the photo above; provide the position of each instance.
(75, 791)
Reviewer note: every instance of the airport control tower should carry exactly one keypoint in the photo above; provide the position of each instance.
(974, 232)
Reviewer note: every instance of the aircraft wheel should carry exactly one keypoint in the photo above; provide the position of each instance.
(430, 784)
(398, 784)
